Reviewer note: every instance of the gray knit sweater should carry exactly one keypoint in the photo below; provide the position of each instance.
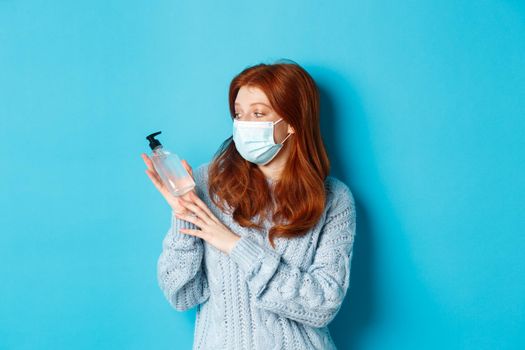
(258, 298)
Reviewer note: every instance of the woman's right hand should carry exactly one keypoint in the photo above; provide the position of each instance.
(172, 200)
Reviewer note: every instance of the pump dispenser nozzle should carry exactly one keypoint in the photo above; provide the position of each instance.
(169, 167)
(153, 142)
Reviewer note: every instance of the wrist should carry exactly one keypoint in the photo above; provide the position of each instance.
(233, 243)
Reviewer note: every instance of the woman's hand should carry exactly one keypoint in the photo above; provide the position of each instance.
(172, 200)
(211, 229)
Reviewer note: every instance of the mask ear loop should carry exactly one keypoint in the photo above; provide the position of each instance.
(277, 122)
(282, 142)
(289, 134)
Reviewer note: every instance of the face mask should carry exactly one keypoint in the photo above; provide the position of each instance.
(254, 140)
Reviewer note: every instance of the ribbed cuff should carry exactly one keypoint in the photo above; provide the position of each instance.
(259, 263)
(177, 224)
(246, 253)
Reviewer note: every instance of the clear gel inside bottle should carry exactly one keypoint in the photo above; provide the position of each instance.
(169, 167)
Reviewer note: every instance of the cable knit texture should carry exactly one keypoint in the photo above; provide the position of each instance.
(258, 297)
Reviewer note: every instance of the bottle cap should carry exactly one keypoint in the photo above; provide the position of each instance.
(152, 141)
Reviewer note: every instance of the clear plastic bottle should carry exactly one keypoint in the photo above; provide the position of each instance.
(169, 167)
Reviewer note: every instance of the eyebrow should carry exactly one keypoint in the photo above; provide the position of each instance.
(255, 103)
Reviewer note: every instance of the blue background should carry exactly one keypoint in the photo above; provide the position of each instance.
(423, 114)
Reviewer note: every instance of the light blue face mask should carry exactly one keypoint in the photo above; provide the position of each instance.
(254, 140)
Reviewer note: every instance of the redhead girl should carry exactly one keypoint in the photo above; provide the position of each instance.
(262, 246)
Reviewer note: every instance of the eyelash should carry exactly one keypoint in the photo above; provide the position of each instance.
(261, 114)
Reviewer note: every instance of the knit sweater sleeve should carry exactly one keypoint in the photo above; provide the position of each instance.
(180, 272)
(312, 296)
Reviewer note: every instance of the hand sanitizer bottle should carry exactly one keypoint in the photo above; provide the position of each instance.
(169, 167)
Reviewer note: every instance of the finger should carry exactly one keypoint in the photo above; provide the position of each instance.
(188, 167)
(154, 172)
(196, 233)
(203, 206)
(148, 162)
(178, 209)
(191, 218)
(197, 210)
(156, 180)
(156, 176)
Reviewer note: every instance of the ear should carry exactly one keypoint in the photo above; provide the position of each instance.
(290, 129)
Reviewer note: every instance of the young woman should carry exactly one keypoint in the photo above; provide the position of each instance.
(263, 245)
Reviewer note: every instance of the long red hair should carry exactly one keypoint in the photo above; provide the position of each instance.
(238, 186)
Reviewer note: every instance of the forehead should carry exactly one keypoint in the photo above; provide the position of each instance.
(248, 95)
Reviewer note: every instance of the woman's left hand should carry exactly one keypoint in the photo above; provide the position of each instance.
(211, 229)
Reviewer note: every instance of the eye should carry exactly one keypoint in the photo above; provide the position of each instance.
(260, 114)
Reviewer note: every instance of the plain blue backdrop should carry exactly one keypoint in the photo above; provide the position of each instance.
(423, 107)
